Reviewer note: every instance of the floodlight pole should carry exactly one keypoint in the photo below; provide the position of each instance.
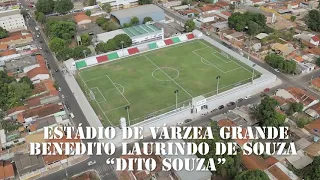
(122, 42)
(218, 78)
(252, 72)
(176, 92)
(84, 52)
(127, 109)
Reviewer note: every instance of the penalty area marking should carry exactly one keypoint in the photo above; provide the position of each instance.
(161, 69)
(121, 87)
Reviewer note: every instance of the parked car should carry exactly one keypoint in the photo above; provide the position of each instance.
(263, 94)
(187, 120)
(231, 103)
(247, 97)
(221, 107)
(179, 123)
(239, 100)
(266, 90)
(90, 163)
(276, 70)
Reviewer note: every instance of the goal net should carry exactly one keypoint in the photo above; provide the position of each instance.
(224, 54)
(91, 95)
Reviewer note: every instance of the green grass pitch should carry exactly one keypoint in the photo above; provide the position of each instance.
(147, 81)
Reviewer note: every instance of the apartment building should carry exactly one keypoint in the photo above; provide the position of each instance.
(12, 20)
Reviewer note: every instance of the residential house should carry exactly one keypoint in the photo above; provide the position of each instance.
(229, 123)
(38, 124)
(28, 166)
(82, 19)
(189, 13)
(223, 5)
(206, 18)
(295, 94)
(315, 40)
(17, 38)
(283, 49)
(313, 150)
(51, 159)
(315, 83)
(209, 9)
(300, 160)
(38, 74)
(303, 68)
(41, 111)
(293, 5)
(13, 112)
(6, 170)
(3, 47)
(40, 63)
(279, 171)
(314, 127)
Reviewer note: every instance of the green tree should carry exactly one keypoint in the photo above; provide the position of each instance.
(111, 45)
(92, 2)
(313, 20)
(296, 107)
(40, 17)
(101, 48)
(109, 26)
(63, 6)
(266, 114)
(318, 61)
(253, 28)
(45, 6)
(127, 41)
(100, 21)
(189, 25)
(65, 54)
(88, 12)
(61, 29)
(186, 2)
(147, 19)
(280, 63)
(126, 25)
(81, 52)
(232, 7)
(24, 13)
(301, 122)
(134, 20)
(3, 33)
(86, 39)
(293, 18)
(26, 80)
(252, 175)
(57, 44)
(106, 7)
(142, 2)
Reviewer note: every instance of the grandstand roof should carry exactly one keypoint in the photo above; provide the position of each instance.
(141, 29)
(136, 11)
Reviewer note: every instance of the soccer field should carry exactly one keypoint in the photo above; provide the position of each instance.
(147, 81)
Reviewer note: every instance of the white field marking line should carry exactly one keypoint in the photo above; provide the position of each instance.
(228, 54)
(169, 77)
(118, 89)
(117, 108)
(100, 94)
(95, 78)
(201, 58)
(144, 54)
(96, 101)
(121, 87)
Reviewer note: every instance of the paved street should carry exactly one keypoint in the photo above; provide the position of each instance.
(106, 171)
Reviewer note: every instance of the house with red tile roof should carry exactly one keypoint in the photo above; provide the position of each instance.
(315, 40)
(16, 110)
(222, 4)
(38, 74)
(229, 123)
(17, 38)
(298, 95)
(41, 111)
(209, 9)
(3, 47)
(313, 127)
(279, 171)
(315, 83)
(6, 170)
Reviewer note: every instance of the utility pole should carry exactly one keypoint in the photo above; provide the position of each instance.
(218, 78)
(252, 72)
(176, 92)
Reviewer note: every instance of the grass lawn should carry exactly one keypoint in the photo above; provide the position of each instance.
(147, 81)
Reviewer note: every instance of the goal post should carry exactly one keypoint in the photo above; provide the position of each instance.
(91, 95)
(224, 54)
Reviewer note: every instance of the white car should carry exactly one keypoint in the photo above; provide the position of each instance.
(179, 123)
(247, 97)
(62, 96)
(40, 48)
(276, 70)
(90, 163)
(59, 89)
(38, 36)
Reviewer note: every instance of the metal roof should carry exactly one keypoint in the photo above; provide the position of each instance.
(136, 11)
